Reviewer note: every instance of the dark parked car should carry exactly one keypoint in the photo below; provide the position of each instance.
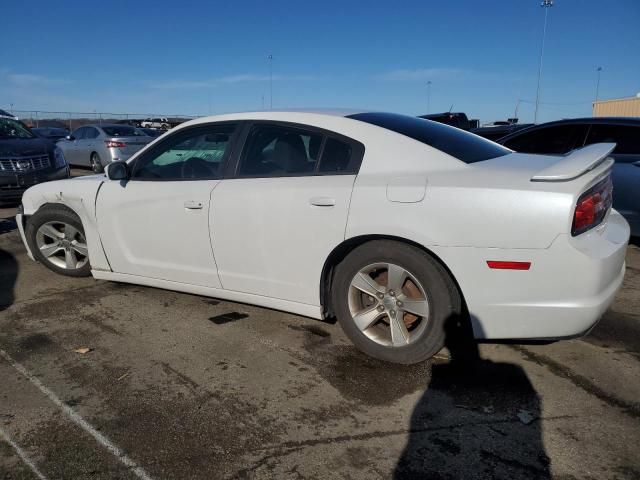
(51, 133)
(152, 132)
(455, 119)
(565, 135)
(26, 159)
(499, 130)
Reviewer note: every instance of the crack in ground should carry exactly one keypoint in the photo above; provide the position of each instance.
(631, 409)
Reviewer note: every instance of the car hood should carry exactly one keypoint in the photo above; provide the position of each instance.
(23, 147)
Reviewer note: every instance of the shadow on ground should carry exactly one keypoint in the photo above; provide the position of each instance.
(477, 419)
(7, 225)
(8, 275)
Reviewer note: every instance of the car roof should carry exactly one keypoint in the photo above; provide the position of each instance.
(277, 114)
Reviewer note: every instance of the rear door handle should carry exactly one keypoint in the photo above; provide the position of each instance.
(322, 201)
(193, 205)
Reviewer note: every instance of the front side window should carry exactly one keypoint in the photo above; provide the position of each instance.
(79, 133)
(91, 133)
(273, 151)
(197, 153)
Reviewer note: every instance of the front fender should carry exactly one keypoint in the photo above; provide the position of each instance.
(80, 196)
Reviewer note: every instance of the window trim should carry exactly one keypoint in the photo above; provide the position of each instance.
(226, 159)
(355, 162)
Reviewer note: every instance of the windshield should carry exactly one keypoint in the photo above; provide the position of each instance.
(458, 143)
(10, 128)
(122, 131)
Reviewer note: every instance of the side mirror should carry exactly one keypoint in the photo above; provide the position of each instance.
(69, 137)
(117, 170)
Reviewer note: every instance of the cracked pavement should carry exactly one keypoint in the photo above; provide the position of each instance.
(194, 387)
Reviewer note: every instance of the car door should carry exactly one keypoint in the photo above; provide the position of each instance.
(276, 221)
(70, 147)
(87, 145)
(156, 224)
(626, 170)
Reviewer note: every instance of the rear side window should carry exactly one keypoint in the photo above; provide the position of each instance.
(458, 143)
(273, 151)
(335, 156)
(556, 139)
(627, 139)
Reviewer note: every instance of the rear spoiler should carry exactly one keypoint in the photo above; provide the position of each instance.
(576, 163)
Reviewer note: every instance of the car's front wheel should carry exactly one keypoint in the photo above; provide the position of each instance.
(57, 239)
(394, 300)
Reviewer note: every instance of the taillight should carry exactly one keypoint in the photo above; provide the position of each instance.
(592, 207)
(114, 144)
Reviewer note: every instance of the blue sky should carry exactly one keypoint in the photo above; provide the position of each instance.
(200, 57)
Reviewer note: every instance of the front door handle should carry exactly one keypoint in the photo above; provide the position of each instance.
(322, 201)
(193, 205)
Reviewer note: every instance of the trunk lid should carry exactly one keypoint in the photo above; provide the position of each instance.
(132, 143)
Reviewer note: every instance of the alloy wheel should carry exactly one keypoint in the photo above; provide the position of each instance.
(388, 304)
(63, 245)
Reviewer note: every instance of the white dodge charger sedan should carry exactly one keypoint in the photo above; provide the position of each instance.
(396, 226)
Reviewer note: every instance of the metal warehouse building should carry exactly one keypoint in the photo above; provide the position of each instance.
(617, 107)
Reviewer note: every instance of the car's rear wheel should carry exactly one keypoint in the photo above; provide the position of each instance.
(393, 301)
(96, 163)
(56, 238)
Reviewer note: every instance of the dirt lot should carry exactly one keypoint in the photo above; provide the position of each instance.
(181, 386)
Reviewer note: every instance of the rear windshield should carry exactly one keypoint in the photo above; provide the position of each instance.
(122, 131)
(455, 142)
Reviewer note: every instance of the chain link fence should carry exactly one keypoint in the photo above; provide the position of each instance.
(73, 120)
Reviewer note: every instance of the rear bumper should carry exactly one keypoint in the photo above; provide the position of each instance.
(13, 186)
(567, 289)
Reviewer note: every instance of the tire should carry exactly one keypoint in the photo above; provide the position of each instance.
(96, 163)
(58, 226)
(425, 279)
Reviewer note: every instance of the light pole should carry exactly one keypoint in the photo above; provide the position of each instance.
(546, 4)
(270, 58)
(599, 69)
(429, 96)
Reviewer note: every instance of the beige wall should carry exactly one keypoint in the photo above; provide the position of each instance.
(622, 107)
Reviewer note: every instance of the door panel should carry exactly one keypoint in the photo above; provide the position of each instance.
(157, 224)
(158, 229)
(271, 236)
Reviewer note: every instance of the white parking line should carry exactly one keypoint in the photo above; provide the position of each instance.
(23, 456)
(78, 420)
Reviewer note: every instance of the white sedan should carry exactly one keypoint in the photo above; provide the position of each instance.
(397, 226)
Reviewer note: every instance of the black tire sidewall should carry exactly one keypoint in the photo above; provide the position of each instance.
(96, 163)
(54, 214)
(444, 301)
